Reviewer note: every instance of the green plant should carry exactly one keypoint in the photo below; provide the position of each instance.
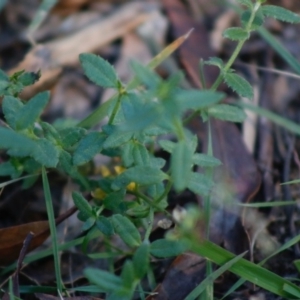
(139, 116)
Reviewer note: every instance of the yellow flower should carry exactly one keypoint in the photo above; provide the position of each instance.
(132, 185)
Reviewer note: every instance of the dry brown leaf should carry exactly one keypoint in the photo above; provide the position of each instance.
(50, 57)
(12, 238)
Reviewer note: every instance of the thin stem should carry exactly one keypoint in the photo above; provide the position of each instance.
(116, 109)
(231, 60)
(148, 201)
(150, 225)
(53, 232)
(165, 193)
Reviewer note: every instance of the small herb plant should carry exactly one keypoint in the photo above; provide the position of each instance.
(141, 117)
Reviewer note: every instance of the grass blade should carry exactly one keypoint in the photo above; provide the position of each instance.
(246, 269)
(290, 125)
(52, 226)
(280, 49)
(212, 277)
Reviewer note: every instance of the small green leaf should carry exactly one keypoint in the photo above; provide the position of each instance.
(195, 99)
(11, 106)
(99, 70)
(106, 281)
(257, 21)
(89, 223)
(239, 84)
(236, 34)
(88, 147)
(141, 261)
(145, 75)
(227, 112)
(139, 211)
(181, 165)
(29, 78)
(105, 226)
(204, 160)
(140, 155)
(50, 132)
(167, 145)
(113, 201)
(126, 230)
(199, 184)
(128, 277)
(280, 13)
(117, 138)
(29, 113)
(167, 248)
(215, 61)
(83, 206)
(127, 157)
(17, 144)
(66, 164)
(45, 153)
(247, 3)
(70, 136)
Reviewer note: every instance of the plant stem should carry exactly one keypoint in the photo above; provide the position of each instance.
(231, 60)
(165, 193)
(53, 232)
(116, 109)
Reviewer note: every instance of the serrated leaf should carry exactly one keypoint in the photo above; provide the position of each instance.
(11, 106)
(70, 136)
(105, 226)
(66, 163)
(138, 113)
(167, 248)
(140, 155)
(181, 164)
(199, 184)
(141, 261)
(145, 75)
(117, 138)
(215, 61)
(29, 78)
(204, 160)
(126, 230)
(167, 145)
(280, 13)
(236, 34)
(257, 21)
(247, 3)
(17, 144)
(195, 99)
(83, 206)
(88, 147)
(99, 70)
(227, 112)
(239, 85)
(127, 157)
(50, 132)
(45, 153)
(157, 162)
(29, 113)
(108, 282)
